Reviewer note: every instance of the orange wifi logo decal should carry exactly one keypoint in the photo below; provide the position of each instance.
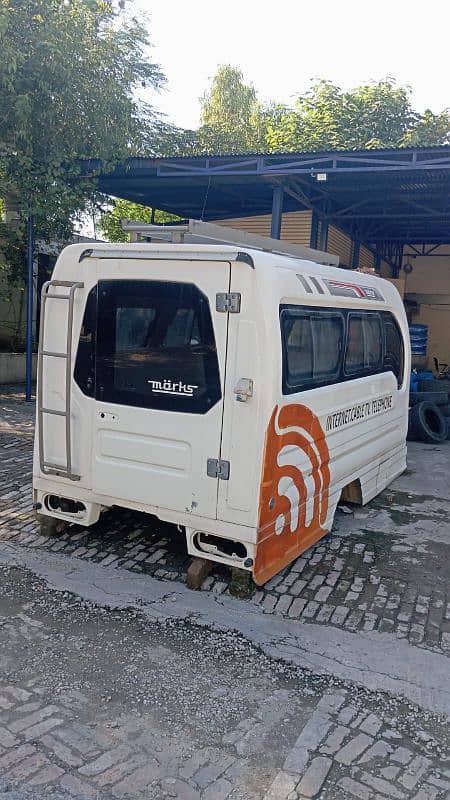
(293, 503)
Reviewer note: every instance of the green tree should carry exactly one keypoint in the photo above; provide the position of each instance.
(373, 115)
(232, 119)
(430, 129)
(124, 209)
(70, 75)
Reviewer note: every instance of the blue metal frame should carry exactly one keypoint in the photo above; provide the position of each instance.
(314, 230)
(277, 212)
(323, 235)
(30, 289)
(306, 163)
(355, 253)
(391, 197)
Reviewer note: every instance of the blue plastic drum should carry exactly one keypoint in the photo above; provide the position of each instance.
(418, 335)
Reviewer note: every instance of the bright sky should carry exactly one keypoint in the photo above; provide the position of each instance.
(281, 45)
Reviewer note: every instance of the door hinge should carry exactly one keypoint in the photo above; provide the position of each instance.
(228, 301)
(216, 468)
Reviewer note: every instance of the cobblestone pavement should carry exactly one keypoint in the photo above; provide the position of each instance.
(104, 704)
(385, 567)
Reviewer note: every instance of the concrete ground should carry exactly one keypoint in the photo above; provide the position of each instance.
(332, 681)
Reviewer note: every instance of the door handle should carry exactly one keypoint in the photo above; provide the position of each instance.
(243, 390)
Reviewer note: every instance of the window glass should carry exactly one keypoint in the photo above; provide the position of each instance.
(364, 351)
(354, 353)
(373, 341)
(328, 334)
(132, 325)
(299, 348)
(312, 344)
(156, 346)
(393, 347)
(84, 372)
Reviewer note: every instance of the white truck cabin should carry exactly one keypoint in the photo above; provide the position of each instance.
(234, 392)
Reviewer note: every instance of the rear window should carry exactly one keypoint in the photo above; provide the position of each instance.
(155, 346)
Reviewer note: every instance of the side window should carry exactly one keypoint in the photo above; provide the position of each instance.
(364, 350)
(394, 355)
(156, 347)
(328, 336)
(298, 348)
(326, 346)
(312, 347)
(354, 351)
(373, 342)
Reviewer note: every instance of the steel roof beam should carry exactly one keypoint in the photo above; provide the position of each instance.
(396, 194)
(375, 215)
(335, 163)
(298, 195)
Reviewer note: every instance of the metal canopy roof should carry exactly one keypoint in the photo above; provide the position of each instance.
(380, 197)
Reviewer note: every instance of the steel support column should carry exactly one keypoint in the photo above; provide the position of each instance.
(355, 253)
(277, 212)
(30, 288)
(314, 230)
(323, 237)
(399, 259)
(377, 263)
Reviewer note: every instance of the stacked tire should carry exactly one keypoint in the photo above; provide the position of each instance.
(429, 413)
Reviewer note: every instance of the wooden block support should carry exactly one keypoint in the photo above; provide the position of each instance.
(198, 569)
(242, 584)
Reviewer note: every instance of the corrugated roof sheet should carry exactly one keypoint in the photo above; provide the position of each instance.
(390, 194)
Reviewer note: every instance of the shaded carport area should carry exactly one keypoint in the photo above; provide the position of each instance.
(381, 210)
(384, 200)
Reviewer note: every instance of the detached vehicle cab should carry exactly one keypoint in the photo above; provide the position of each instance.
(235, 392)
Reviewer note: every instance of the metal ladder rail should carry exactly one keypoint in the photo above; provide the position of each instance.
(47, 467)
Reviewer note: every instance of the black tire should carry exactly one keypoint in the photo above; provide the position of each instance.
(438, 398)
(434, 385)
(427, 424)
